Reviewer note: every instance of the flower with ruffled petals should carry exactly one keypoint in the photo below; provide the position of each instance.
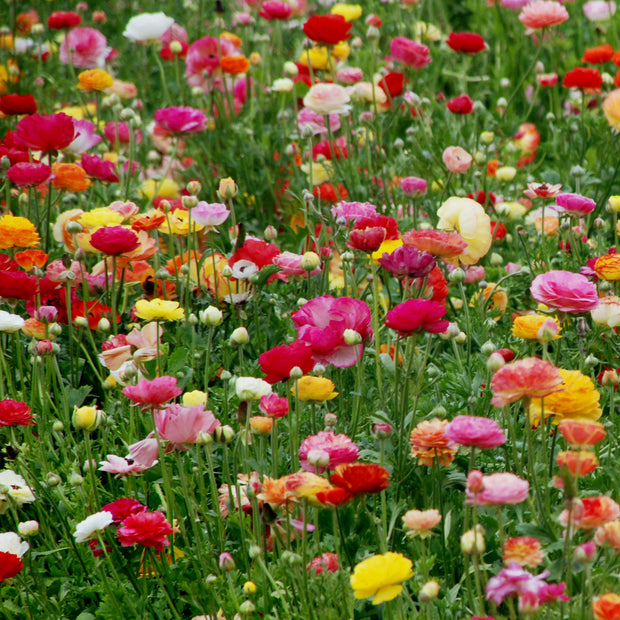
(468, 430)
(436, 242)
(381, 576)
(114, 240)
(14, 413)
(527, 326)
(429, 443)
(410, 53)
(314, 389)
(607, 606)
(416, 315)
(159, 310)
(421, 522)
(579, 463)
(542, 14)
(407, 261)
(581, 433)
(153, 392)
(325, 562)
(326, 450)
(181, 426)
(147, 26)
(499, 489)
(148, 529)
(17, 232)
(524, 550)
(29, 174)
(45, 133)
(181, 119)
(591, 512)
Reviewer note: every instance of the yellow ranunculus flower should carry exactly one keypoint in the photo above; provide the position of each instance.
(159, 310)
(80, 112)
(341, 50)
(316, 57)
(166, 188)
(514, 210)
(315, 388)
(197, 397)
(528, 325)
(321, 171)
(97, 218)
(427, 32)
(350, 12)
(381, 577)
(94, 79)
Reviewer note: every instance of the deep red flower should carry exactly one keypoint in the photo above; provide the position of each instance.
(256, 251)
(360, 478)
(278, 362)
(417, 315)
(483, 198)
(60, 20)
(329, 29)
(498, 231)
(14, 413)
(45, 133)
(17, 104)
(392, 84)
(585, 78)
(148, 529)
(94, 311)
(467, 42)
(114, 240)
(26, 174)
(462, 104)
(123, 508)
(17, 285)
(10, 565)
(98, 168)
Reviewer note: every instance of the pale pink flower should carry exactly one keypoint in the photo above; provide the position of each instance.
(145, 451)
(326, 450)
(599, 10)
(565, 291)
(542, 190)
(499, 489)
(120, 466)
(181, 426)
(181, 119)
(526, 378)
(420, 522)
(85, 137)
(349, 75)
(316, 122)
(456, 159)
(153, 392)
(174, 33)
(352, 211)
(323, 98)
(84, 48)
(290, 264)
(468, 430)
(542, 14)
(210, 215)
(410, 53)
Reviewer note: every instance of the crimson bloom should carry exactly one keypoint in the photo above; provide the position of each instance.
(275, 9)
(410, 53)
(417, 315)
(17, 285)
(392, 84)
(148, 529)
(466, 42)
(11, 105)
(114, 240)
(329, 29)
(370, 232)
(585, 78)
(45, 133)
(14, 413)
(278, 362)
(463, 104)
(360, 478)
(123, 507)
(61, 20)
(26, 174)
(181, 119)
(98, 168)
(10, 565)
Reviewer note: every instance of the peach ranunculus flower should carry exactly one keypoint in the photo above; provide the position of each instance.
(579, 400)
(609, 534)
(421, 522)
(325, 98)
(468, 218)
(526, 378)
(607, 313)
(580, 433)
(591, 512)
(611, 109)
(542, 14)
(456, 159)
(429, 443)
(524, 550)
(579, 463)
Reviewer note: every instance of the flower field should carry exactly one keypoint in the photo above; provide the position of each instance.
(309, 310)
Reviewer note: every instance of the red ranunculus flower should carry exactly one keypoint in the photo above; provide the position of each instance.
(278, 362)
(11, 105)
(585, 78)
(26, 174)
(360, 478)
(98, 168)
(60, 20)
(370, 232)
(417, 315)
(10, 565)
(256, 251)
(17, 285)
(123, 508)
(330, 192)
(14, 413)
(45, 133)
(329, 29)
(462, 104)
(468, 42)
(114, 240)
(148, 529)
(392, 84)
(94, 311)
(498, 231)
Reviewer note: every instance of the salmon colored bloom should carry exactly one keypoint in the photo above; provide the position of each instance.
(527, 326)
(579, 463)
(527, 378)
(608, 534)
(524, 550)
(606, 607)
(274, 492)
(421, 522)
(591, 512)
(579, 433)
(578, 400)
(542, 14)
(70, 176)
(381, 577)
(17, 232)
(94, 79)
(607, 267)
(315, 389)
(429, 443)
(436, 242)
(153, 392)
(456, 159)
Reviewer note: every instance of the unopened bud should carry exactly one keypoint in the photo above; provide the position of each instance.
(239, 336)
(429, 592)
(472, 541)
(211, 316)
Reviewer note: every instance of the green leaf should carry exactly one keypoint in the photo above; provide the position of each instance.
(77, 396)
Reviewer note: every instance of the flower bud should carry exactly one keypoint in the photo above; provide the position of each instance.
(505, 173)
(58, 426)
(227, 189)
(247, 608)
(52, 479)
(461, 338)
(330, 420)
(318, 458)
(87, 418)
(487, 348)
(487, 137)
(585, 552)
(472, 541)
(613, 204)
(28, 528)
(271, 233)
(309, 261)
(458, 275)
(351, 337)
(227, 563)
(224, 434)
(610, 377)
(296, 373)
(76, 479)
(211, 316)
(240, 336)
(429, 592)
(104, 325)
(495, 362)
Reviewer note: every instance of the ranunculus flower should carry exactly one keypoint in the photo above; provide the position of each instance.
(416, 315)
(99, 169)
(60, 20)
(45, 133)
(203, 60)
(210, 215)
(148, 529)
(181, 119)
(591, 512)
(326, 450)
(147, 26)
(153, 392)
(381, 577)
(430, 445)
(114, 240)
(542, 14)
(25, 174)
(584, 78)
(599, 10)
(467, 42)
(421, 522)
(85, 137)
(463, 104)
(469, 430)
(410, 53)
(12, 104)
(14, 413)
(278, 362)
(607, 267)
(413, 186)
(328, 29)
(581, 433)
(275, 9)
(499, 489)
(408, 262)
(84, 48)
(181, 426)
(456, 159)
(565, 291)
(323, 98)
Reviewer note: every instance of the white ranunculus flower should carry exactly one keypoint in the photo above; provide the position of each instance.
(92, 525)
(10, 323)
(13, 486)
(282, 85)
(147, 26)
(10, 542)
(251, 388)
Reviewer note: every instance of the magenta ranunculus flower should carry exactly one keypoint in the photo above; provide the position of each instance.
(25, 174)
(322, 323)
(99, 169)
(499, 489)
(410, 53)
(414, 186)
(575, 204)
(180, 426)
(476, 431)
(416, 315)
(325, 450)
(210, 214)
(274, 406)
(351, 211)
(181, 119)
(45, 133)
(275, 9)
(153, 392)
(114, 240)
(407, 261)
(148, 529)
(565, 291)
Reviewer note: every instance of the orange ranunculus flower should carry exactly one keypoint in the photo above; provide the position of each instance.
(27, 259)
(609, 534)
(524, 550)
(94, 79)
(361, 478)
(606, 607)
(579, 400)
(17, 232)
(306, 485)
(495, 298)
(275, 493)
(598, 54)
(527, 326)
(581, 432)
(607, 267)
(263, 425)
(591, 512)
(35, 329)
(235, 64)
(429, 443)
(71, 177)
(233, 38)
(148, 221)
(579, 463)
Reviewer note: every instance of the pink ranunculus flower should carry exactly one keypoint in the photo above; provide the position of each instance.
(410, 53)
(565, 291)
(542, 14)
(181, 119)
(351, 211)
(326, 450)
(349, 75)
(499, 489)
(322, 322)
(456, 159)
(210, 214)
(145, 451)
(417, 315)
(290, 264)
(414, 186)
(316, 122)
(85, 137)
(274, 406)
(599, 10)
(153, 392)
(84, 48)
(575, 204)
(324, 98)
(203, 60)
(275, 9)
(479, 432)
(120, 466)
(180, 426)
